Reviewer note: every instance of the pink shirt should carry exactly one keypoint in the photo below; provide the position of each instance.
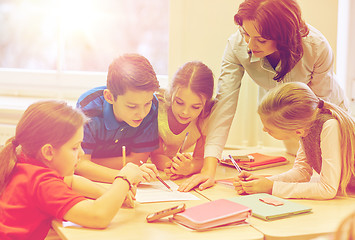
(34, 196)
(297, 182)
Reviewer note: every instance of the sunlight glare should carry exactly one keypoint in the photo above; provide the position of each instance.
(78, 15)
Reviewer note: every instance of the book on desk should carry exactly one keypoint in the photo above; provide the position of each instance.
(258, 161)
(268, 207)
(213, 214)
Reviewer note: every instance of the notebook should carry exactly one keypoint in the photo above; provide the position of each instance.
(268, 211)
(260, 161)
(213, 214)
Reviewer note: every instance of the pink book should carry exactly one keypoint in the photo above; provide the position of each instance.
(213, 214)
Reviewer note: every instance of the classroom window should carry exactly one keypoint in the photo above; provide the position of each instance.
(82, 35)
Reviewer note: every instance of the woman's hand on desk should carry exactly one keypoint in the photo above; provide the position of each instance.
(251, 183)
(204, 181)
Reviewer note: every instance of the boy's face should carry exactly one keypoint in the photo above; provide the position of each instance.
(132, 107)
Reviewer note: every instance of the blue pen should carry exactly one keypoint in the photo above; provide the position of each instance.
(235, 164)
(183, 143)
(238, 168)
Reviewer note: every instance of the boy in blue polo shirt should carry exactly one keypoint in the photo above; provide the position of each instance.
(122, 114)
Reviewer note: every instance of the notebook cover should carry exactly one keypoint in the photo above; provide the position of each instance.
(269, 212)
(260, 161)
(213, 214)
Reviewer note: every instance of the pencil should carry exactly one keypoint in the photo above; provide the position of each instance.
(183, 143)
(166, 185)
(235, 164)
(123, 156)
(131, 202)
(161, 180)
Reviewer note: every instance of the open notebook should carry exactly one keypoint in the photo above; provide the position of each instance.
(268, 211)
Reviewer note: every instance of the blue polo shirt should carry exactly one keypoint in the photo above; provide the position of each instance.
(104, 136)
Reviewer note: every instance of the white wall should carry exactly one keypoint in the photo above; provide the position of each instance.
(199, 30)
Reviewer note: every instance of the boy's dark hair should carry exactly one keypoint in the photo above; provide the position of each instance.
(131, 71)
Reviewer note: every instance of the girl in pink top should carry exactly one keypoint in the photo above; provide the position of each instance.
(327, 145)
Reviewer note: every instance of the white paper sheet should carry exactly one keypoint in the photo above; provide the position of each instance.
(157, 192)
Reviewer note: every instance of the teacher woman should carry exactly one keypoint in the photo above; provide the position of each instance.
(273, 45)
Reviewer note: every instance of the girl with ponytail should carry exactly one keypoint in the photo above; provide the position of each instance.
(37, 183)
(327, 145)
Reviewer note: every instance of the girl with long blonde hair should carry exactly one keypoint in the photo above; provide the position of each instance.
(327, 145)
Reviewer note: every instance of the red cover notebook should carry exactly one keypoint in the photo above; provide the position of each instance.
(212, 214)
(260, 161)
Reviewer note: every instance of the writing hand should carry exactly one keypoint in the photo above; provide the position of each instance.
(182, 164)
(149, 171)
(257, 184)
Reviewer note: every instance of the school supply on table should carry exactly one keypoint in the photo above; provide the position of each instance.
(243, 158)
(183, 143)
(260, 161)
(268, 207)
(130, 202)
(166, 212)
(213, 214)
(235, 164)
(157, 192)
(123, 156)
(164, 183)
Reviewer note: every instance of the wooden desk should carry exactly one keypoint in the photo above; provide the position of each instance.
(130, 224)
(324, 218)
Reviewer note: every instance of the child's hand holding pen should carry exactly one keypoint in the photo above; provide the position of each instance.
(242, 176)
(156, 174)
(238, 181)
(182, 164)
(150, 172)
(249, 183)
(256, 184)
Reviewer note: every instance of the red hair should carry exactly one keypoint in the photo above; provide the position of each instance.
(281, 21)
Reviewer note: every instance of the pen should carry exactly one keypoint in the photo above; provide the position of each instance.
(235, 164)
(161, 180)
(183, 143)
(131, 202)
